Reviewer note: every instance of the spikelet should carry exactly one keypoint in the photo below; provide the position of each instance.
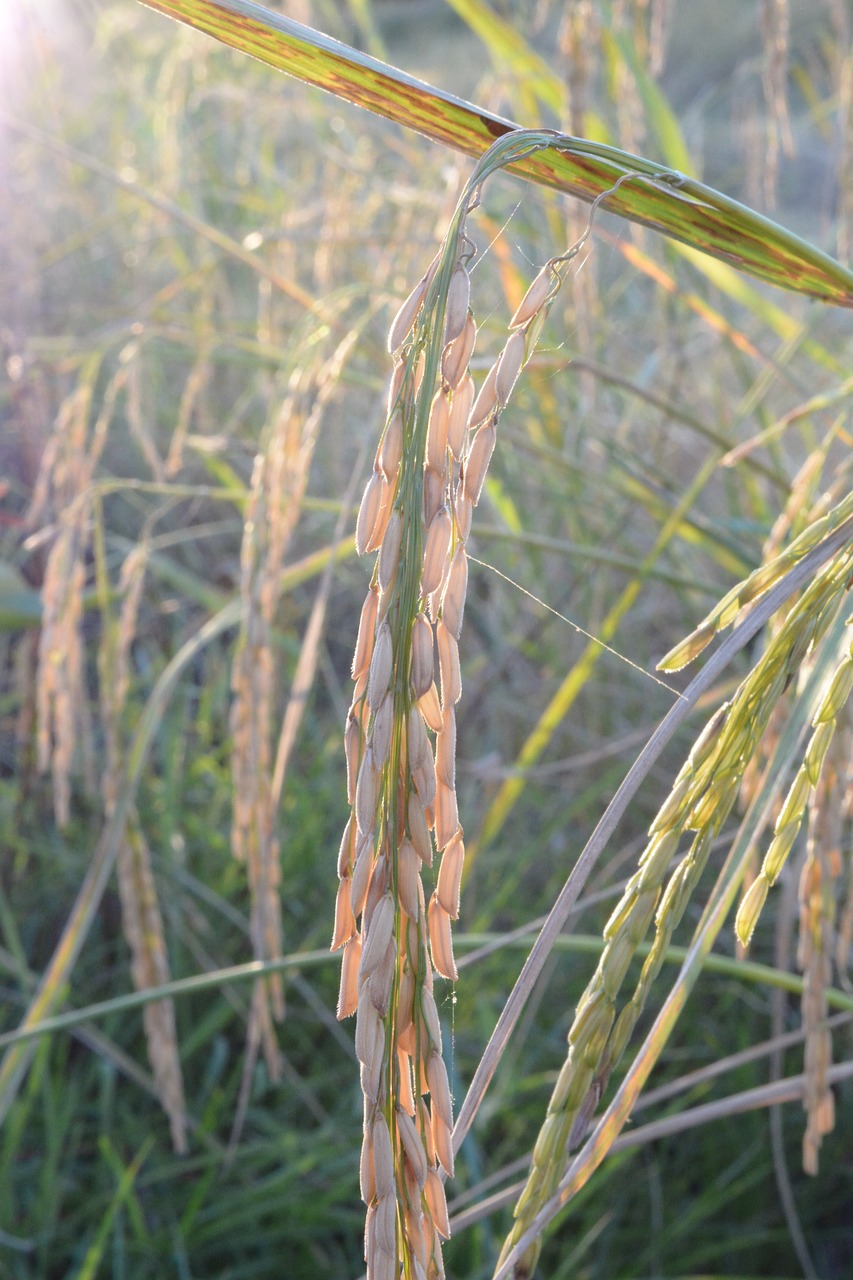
(487, 399)
(535, 298)
(404, 320)
(369, 513)
(391, 449)
(435, 551)
(509, 367)
(460, 412)
(456, 356)
(437, 433)
(455, 591)
(477, 461)
(456, 308)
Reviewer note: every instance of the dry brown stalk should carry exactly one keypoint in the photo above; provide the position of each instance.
(64, 486)
(278, 485)
(141, 917)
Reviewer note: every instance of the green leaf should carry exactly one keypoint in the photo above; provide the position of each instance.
(667, 201)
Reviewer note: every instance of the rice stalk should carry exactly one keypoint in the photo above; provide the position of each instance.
(774, 21)
(64, 492)
(279, 479)
(701, 798)
(142, 920)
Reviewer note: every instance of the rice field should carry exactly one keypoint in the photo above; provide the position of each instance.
(352, 499)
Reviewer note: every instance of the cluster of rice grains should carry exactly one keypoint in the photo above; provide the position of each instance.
(700, 801)
(416, 514)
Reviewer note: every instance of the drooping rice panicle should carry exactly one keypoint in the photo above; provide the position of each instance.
(767, 575)
(416, 512)
(701, 799)
(818, 897)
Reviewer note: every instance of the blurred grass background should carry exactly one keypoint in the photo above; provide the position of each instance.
(188, 242)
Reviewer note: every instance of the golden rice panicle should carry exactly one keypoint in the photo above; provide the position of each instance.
(790, 817)
(700, 802)
(63, 495)
(760, 581)
(817, 901)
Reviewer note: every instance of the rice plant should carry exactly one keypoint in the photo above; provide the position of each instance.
(174, 505)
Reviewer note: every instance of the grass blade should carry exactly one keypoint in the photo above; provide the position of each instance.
(665, 200)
